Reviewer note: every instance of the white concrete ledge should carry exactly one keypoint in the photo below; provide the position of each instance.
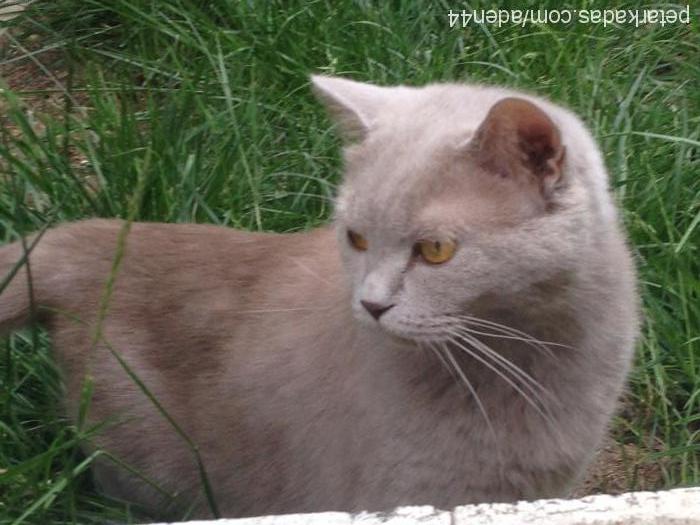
(672, 507)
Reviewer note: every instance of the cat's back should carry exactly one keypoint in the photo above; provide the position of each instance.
(175, 284)
(104, 239)
(171, 257)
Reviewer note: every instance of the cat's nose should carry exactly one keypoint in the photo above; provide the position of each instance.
(375, 309)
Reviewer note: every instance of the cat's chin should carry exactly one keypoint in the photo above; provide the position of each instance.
(394, 333)
(411, 341)
(415, 338)
(400, 332)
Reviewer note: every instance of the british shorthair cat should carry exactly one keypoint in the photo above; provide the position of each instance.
(460, 332)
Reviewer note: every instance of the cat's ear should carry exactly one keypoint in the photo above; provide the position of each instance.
(353, 105)
(518, 139)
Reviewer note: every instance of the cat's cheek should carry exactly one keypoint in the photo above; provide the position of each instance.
(353, 264)
(433, 292)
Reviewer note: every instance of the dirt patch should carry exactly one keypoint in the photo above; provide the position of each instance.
(619, 468)
(38, 74)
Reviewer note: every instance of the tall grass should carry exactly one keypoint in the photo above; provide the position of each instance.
(209, 101)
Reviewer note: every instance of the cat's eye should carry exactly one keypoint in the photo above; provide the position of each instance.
(357, 241)
(436, 252)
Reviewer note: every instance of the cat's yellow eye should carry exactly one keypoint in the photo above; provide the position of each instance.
(357, 241)
(436, 252)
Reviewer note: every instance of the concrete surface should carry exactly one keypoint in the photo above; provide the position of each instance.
(672, 507)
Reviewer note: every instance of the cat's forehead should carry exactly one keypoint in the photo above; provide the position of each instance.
(386, 185)
(438, 192)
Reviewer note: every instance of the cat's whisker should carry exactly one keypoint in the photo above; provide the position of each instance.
(452, 366)
(441, 358)
(500, 372)
(454, 320)
(516, 372)
(514, 333)
(497, 335)
(451, 359)
(530, 382)
(503, 334)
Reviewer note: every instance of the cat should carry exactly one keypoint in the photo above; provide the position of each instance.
(460, 333)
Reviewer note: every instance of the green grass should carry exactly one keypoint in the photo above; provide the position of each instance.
(209, 103)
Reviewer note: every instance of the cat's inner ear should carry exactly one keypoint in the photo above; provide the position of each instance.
(353, 105)
(518, 139)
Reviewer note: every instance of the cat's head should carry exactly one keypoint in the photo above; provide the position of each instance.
(455, 198)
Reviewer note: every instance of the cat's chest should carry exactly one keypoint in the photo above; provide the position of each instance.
(402, 433)
(403, 406)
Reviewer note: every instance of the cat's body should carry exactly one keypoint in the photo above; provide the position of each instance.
(257, 347)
